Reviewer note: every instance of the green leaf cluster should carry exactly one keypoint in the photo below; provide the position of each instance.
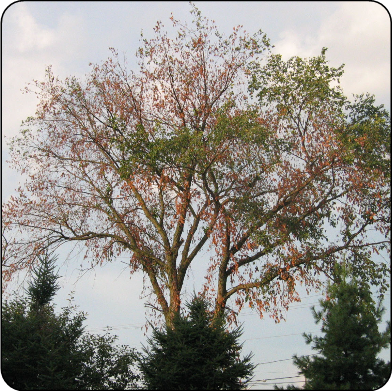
(298, 84)
(367, 135)
(163, 150)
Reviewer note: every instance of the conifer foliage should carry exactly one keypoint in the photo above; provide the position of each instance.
(44, 284)
(346, 356)
(45, 350)
(197, 354)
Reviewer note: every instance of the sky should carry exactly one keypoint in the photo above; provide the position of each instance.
(70, 35)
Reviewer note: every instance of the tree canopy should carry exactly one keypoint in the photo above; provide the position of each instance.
(214, 143)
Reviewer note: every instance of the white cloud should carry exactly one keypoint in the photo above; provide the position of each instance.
(30, 36)
(28, 48)
(24, 35)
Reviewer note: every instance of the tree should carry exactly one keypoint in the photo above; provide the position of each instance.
(270, 166)
(346, 356)
(196, 354)
(43, 350)
(43, 286)
(107, 366)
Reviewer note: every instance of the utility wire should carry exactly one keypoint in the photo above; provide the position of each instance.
(276, 378)
(270, 362)
(282, 335)
(283, 382)
(285, 359)
(116, 327)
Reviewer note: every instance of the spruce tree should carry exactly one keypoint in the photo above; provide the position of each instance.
(38, 346)
(49, 351)
(347, 353)
(196, 354)
(43, 285)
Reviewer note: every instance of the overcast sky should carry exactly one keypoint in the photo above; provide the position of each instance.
(70, 35)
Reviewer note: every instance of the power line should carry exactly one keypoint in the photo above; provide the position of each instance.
(116, 327)
(269, 381)
(276, 378)
(136, 326)
(282, 382)
(270, 362)
(278, 336)
(284, 359)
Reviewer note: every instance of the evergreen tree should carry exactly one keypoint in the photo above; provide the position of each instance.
(347, 352)
(197, 353)
(49, 351)
(43, 286)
